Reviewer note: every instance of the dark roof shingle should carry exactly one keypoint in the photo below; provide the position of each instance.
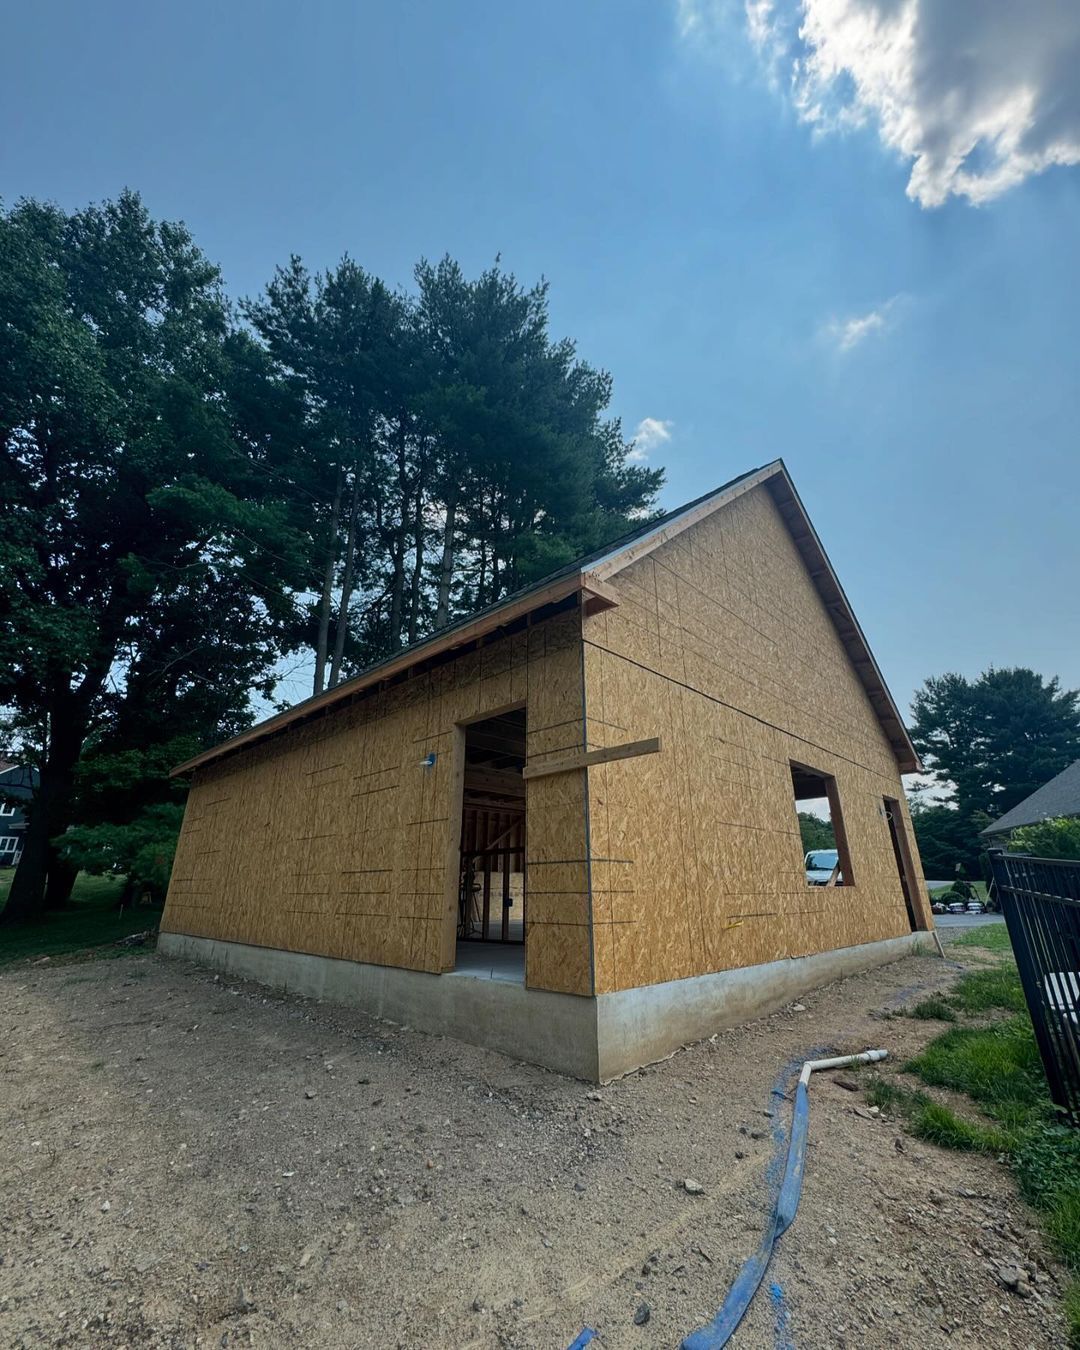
(1059, 797)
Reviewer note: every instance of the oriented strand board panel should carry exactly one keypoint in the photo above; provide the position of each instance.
(721, 646)
(333, 837)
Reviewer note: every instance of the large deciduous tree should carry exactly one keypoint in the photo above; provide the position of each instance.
(183, 499)
(148, 552)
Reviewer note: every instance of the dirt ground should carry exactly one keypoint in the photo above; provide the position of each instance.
(188, 1161)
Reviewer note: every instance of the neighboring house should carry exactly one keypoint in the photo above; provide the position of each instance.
(17, 783)
(1059, 797)
(634, 734)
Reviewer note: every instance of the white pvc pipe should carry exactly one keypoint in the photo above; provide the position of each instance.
(841, 1062)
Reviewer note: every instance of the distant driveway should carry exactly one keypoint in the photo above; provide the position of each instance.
(966, 920)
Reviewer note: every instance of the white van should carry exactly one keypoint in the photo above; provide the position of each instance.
(819, 863)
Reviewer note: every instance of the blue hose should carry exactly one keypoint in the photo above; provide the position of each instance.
(720, 1329)
(748, 1281)
(587, 1334)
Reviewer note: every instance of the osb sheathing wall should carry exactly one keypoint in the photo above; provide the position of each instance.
(333, 838)
(721, 646)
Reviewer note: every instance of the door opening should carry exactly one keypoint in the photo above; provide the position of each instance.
(903, 859)
(491, 890)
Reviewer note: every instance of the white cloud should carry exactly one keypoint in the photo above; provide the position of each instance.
(850, 332)
(650, 433)
(977, 94)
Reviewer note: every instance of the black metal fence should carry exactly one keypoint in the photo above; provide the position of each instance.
(1040, 898)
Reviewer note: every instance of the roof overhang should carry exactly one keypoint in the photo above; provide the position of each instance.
(591, 592)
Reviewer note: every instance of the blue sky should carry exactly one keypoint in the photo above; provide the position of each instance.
(767, 267)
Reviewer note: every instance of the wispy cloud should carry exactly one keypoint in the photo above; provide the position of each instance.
(848, 333)
(977, 95)
(650, 433)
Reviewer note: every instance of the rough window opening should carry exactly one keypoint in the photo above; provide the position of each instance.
(816, 793)
(491, 901)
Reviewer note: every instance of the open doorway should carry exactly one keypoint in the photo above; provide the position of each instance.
(903, 859)
(826, 859)
(491, 894)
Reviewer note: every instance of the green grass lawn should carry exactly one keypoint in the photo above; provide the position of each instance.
(988, 1053)
(993, 936)
(91, 920)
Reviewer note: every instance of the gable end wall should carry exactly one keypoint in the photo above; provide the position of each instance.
(720, 644)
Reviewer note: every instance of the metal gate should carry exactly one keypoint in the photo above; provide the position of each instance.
(1040, 898)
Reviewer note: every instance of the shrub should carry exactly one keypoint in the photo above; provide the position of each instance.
(1058, 837)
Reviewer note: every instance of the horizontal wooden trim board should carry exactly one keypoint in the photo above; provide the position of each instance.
(584, 758)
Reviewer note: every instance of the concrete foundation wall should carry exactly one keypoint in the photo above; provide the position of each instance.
(640, 1026)
(555, 1030)
(592, 1038)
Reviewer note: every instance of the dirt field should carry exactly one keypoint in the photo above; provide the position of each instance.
(188, 1161)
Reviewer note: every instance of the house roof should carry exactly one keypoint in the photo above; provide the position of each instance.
(17, 782)
(586, 578)
(1059, 797)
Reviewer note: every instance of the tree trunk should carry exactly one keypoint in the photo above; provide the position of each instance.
(446, 566)
(323, 640)
(48, 817)
(397, 587)
(416, 580)
(61, 881)
(346, 589)
(481, 576)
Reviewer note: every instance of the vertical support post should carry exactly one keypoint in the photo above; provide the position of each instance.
(506, 894)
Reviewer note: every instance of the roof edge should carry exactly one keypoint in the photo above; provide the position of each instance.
(587, 582)
(580, 583)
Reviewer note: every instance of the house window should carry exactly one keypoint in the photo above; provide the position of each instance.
(7, 808)
(9, 844)
(826, 860)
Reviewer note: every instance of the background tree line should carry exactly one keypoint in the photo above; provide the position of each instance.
(192, 490)
(987, 743)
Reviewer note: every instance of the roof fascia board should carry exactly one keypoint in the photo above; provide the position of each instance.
(827, 584)
(612, 563)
